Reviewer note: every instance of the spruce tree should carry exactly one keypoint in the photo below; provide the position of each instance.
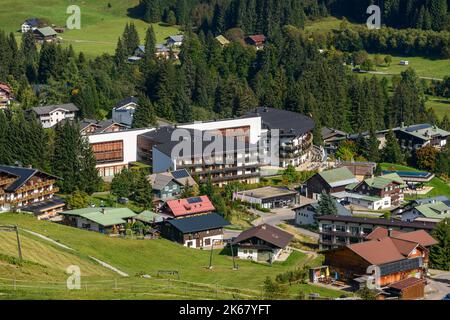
(392, 152)
(440, 253)
(145, 114)
(326, 205)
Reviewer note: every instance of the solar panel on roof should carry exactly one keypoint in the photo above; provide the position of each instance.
(180, 174)
(418, 127)
(194, 200)
(399, 266)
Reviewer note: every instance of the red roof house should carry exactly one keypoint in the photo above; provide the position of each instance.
(257, 40)
(5, 94)
(189, 206)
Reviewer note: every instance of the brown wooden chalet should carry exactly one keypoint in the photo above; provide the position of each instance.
(257, 40)
(329, 181)
(398, 255)
(27, 189)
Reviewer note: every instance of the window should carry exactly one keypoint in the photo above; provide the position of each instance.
(207, 242)
(245, 251)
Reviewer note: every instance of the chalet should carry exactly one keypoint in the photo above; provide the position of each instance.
(188, 207)
(268, 197)
(375, 193)
(200, 231)
(435, 211)
(222, 40)
(258, 41)
(306, 213)
(398, 256)
(330, 181)
(124, 111)
(175, 41)
(336, 231)
(421, 135)
(331, 138)
(89, 126)
(161, 51)
(169, 185)
(263, 243)
(6, 95)
(30, 190)
(30, 24)
(103, 220)
(50, 115)
(45, 34)
(148, 217)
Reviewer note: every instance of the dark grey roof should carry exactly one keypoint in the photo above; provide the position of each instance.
(126, 101)
(162, 137)
(33, 22)
(37, 208)
(289, 123)
(22, 174)
(266, 232)
(199, 223)
(329, 132)
(47, 109)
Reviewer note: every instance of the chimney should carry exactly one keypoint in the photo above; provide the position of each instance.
(263, 227)
(389, 232)
(103, 211)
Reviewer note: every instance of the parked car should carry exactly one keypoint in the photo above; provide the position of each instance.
(122, 200)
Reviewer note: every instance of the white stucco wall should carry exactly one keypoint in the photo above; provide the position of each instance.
(124, 114)
(304, 216)
(129, 139)
(254, 123)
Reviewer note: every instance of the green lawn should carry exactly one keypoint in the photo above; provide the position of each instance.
(440, 105)
(440, 187)
(429, 68)
(100, 26)
(135, 257)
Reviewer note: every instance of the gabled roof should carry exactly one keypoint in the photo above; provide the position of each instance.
(126, 101)
(149, 217)
(268, 233)
(33, 22)
(384, 180)
(430, 200)
(22, 174)
(199, 223)
(424, 131)
(47, 31)
(188, 206)
(100, 125)
(160, 180)
(222, 40)
(105, 217)
(406, 283)
(437, 210)
(338, 177)
(257, 38)
(377, 251)
(68, 107)
(177, 38)
(419, 236)
(5, 87)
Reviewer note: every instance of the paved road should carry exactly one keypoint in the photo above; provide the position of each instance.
(284, 215)
(439, 285)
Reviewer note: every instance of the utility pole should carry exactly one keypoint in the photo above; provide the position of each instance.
(18, 242)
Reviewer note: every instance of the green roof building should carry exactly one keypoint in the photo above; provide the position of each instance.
(433, 212)
(104, 220)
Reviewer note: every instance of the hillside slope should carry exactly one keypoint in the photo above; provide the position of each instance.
(101, 25)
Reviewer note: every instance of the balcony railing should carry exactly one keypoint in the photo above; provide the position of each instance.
(36, 185)
(34, 196)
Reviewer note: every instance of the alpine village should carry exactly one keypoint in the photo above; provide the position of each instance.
(225, 149)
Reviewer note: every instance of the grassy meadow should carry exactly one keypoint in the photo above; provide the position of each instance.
(101, 25)
(45, 261)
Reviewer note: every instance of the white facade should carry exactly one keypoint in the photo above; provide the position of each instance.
(252, 254)
(304, 216)
(129, 139)
(213, 239)
(124, 114)
(55, 116)
(254, 123)
(26, 27)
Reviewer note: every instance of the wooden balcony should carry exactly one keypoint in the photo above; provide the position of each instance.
(36, 186)
(35, 195)
(5, 182)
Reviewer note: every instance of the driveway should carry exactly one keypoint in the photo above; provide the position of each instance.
(438, 285)
(279, 216)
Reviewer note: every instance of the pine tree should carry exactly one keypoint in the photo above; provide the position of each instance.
(120, 56)
(145, 114)
(391, 151)
(440, 253)
(150, 45)
(143, 191)
(326, 205)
